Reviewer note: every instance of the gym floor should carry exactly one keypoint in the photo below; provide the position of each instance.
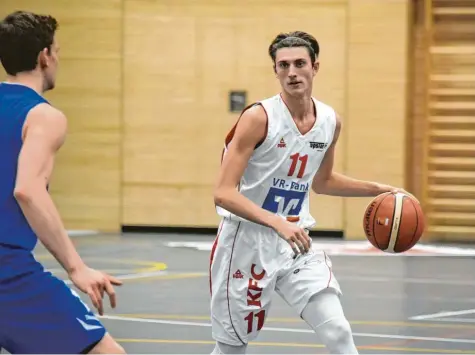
(422, 302)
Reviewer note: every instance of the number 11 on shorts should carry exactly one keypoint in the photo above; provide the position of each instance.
(260, 320)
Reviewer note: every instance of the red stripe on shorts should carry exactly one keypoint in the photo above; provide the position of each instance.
(329, 269)
(213, 250)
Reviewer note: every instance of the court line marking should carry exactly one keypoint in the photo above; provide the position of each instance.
(294, 330)
(455, 320)
(350, 248)
(443, 314)
(156, 275)
(61, 271)
(297, 345)
(429, 281)
(298, 320)
(149, 266)
(164, 275)
(134, 276)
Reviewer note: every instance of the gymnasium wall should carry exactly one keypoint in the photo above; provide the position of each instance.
(145, 86)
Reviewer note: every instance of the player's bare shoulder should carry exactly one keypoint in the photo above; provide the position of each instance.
(252, 126)
(338, 124)
(329, 111)
(48, 122)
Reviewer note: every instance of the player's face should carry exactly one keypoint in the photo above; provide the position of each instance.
(50, 61)
(295, 70)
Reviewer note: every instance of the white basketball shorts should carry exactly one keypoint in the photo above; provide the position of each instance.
(250, 261)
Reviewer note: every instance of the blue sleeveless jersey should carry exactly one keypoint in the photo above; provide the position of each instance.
(15, 103)
(49, 317)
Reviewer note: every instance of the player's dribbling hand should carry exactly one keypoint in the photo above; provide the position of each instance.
(94, 283)
(395, 190)
(297, 237)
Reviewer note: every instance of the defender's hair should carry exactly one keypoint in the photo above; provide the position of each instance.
(295, 39)
(23, 35)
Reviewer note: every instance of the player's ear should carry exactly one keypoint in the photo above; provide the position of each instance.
(316, 66)
(43, 58)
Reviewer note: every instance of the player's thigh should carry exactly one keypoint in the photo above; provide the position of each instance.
(241, 285)
(308, 275)
(46, 316)
(107, 345)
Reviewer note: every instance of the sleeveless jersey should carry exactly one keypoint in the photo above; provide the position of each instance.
(280, 171)
(15, 103)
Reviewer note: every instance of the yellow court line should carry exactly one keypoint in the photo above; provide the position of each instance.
(294, 345)
(149, 266)
(417, 350)
(298, 320)
(165, 277)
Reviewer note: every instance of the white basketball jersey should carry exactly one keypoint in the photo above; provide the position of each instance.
(280, 171)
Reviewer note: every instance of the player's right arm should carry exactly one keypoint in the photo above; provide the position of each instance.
(251, 130)
(44, 133)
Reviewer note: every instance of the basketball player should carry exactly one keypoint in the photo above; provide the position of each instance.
(281, 148)
(38, 312)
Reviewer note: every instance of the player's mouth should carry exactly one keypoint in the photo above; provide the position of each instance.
(295, 83)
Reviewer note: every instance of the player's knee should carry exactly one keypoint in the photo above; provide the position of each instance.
(336, 334)
(338, 330)
(107, 345)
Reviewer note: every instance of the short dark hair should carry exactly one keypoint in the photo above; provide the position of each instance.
(23, 35)
(295, 39)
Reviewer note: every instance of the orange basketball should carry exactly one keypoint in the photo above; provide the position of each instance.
(394, 222)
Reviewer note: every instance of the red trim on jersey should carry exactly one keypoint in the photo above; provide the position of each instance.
(230, 135)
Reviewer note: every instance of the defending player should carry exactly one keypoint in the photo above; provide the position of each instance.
(38, 312)
(280, 149)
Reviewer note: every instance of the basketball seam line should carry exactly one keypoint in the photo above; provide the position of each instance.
(374, 223)
(417, 221)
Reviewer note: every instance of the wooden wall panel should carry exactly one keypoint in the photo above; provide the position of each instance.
(86, 182)
(155, 87)
(377, 83)
(176, 96)
(450, 149)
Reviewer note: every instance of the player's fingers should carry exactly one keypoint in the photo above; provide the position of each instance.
(113, 280)
(309, 240)
(301, 242)
(304, 240)
(92, 295)
(100, 289)
(110, 291)
(293, 245)
(100, 307)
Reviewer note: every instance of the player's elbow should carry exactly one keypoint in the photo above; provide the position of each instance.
(320, 183)
(23, 193)
(220, 197)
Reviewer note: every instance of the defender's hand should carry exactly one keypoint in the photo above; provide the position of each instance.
(94, 283)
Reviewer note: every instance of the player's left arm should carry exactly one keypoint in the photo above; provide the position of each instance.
(329, 182)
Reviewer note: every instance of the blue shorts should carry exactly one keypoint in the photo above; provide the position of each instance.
(40, 314)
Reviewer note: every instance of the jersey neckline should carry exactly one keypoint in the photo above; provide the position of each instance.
(292, 122)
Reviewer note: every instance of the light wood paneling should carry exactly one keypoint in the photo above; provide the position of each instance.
(450, 182)
(377, 82)
(179, 59)
(86, 181)
(176, 96)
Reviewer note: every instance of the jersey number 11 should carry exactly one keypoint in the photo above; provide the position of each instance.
(303, 163)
